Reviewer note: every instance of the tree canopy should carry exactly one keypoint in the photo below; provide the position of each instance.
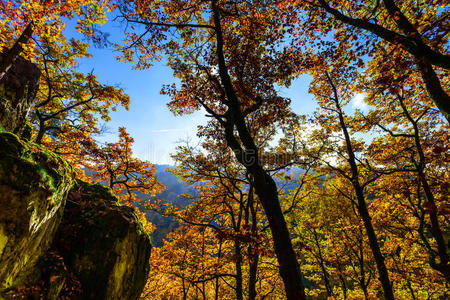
(342, 203)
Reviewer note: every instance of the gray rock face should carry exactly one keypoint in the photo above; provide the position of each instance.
(17, 91)
(34, 185)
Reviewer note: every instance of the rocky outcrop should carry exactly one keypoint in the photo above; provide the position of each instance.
(34, 184)
(103, 244)
(17, 90)
(64, 239)
(59, 239)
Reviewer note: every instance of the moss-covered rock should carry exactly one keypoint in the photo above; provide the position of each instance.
(34, 184)
(103, 244)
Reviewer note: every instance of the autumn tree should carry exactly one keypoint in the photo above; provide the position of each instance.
(412, 34)
(221, 199)
(192, 264)
(39, 21)
(331, 88)
(389, 166)
(70, 99)
(224, 202)
(226, 57)
(330, 236)
(417, 148)
(68, 104)
(115, 165)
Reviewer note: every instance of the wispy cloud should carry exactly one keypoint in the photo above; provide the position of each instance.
(168, 130)
(358, 102)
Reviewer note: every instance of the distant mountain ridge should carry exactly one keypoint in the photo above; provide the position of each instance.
(175, 187)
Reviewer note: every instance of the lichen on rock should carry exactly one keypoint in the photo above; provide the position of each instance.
(34, 184)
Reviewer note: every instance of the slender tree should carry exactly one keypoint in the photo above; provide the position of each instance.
(227, 82)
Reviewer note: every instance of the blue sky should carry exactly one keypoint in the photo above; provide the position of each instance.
(155, 129)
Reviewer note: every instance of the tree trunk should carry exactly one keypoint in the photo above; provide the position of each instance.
(252, 254)
(12, 54)
(373, 242)
(41, 133)
(238, 264)
(434, 88)
(322, 266)
(344, 286)
(436, 231)
(264, 185)
(217, 287)
(184, 289)
(267, 192)
(364, 288)
(362, 205)
(252, 275)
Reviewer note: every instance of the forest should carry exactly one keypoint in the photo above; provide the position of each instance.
(341, 203)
